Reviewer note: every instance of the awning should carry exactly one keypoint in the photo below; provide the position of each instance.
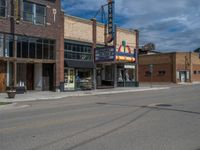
(79, 64)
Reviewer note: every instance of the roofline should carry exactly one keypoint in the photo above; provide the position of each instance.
(99, 23)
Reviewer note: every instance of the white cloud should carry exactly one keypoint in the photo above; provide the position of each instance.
(170, 24)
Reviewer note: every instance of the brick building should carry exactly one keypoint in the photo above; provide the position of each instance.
(81, 70)
(170, 67)
(31, 44)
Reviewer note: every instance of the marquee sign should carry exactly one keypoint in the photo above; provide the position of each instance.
(125, 53)
(104, 54)
(111, 27)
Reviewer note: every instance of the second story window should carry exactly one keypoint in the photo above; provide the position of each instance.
(2, 8)
(34, 13)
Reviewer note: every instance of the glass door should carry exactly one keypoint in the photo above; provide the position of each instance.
(69, 77)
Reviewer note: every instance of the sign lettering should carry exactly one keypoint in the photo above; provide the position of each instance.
(111, 28)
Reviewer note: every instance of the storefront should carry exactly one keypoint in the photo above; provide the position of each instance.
(79, 67)
(125, 75)
(35, 62)
(115, 67)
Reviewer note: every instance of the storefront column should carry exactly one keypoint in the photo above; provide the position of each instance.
(8, 74)
(137, 56)
(115, 75)
(94, 41)
(15, 73)
(94, 79)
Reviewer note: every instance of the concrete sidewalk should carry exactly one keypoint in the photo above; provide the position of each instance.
(47, 95)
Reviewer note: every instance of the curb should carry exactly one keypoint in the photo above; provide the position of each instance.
(92, 93)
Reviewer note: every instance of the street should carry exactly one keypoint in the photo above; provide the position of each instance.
(150, 120)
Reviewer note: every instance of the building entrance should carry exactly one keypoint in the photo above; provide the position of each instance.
(48, 77)
(183, 76)
(30, 76)
(105, 76)
(69, 77)
(2, 76)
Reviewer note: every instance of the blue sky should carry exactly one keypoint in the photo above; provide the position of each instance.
(170, 24)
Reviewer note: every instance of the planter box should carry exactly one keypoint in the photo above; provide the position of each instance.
(11, 94)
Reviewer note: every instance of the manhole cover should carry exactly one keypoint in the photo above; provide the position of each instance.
(101, 103)
(163, 105)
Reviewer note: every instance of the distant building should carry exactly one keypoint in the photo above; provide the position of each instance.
(170, 67)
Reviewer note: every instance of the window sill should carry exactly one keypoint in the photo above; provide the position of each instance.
(4, 18)
(44, 25)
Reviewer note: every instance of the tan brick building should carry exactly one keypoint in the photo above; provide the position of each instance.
(170, 67)
(81, 38)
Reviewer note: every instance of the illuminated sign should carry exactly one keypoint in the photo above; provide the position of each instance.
(111, 27)
(104, 54)
(125, 53)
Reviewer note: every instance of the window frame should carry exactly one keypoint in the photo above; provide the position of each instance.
(74, 52)
(5, 9)
(34, 13)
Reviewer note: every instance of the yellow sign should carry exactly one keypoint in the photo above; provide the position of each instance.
(17, 9)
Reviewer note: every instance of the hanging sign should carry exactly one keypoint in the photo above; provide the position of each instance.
(17, 10)
(111, 27)
(104, 54)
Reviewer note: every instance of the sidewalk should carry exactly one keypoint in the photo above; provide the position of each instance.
(47, 95)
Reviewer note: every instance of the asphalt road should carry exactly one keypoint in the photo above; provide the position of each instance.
(152, 120)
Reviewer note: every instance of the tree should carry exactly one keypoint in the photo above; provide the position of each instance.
(197, 50)
(149, 46)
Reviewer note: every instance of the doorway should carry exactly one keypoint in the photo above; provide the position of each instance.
(183, 76)
(69, 77)
(2, 76)
(30, 77)
(47, 74)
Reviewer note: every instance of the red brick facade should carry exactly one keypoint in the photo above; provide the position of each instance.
(169, 67)
(51, 30)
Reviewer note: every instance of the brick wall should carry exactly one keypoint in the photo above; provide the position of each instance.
(78, 29)
(161, 63)
(52, 30)
(81, 30)
(195, 67)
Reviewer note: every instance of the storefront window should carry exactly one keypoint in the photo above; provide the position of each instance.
(126, 75)
(1, 45)
(9, 46)
(84, 75)
(32, 48)
(35, 48)
(78, 51)
(84, 79)
(2, 8)
(24, 49)
(39, 50)
(45, 51)
(19, 48)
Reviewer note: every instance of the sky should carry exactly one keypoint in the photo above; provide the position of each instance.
(172, 25)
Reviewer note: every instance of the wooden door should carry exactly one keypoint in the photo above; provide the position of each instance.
(30, 77)
(2, 76)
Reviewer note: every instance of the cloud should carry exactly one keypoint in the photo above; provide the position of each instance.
(171, 25)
